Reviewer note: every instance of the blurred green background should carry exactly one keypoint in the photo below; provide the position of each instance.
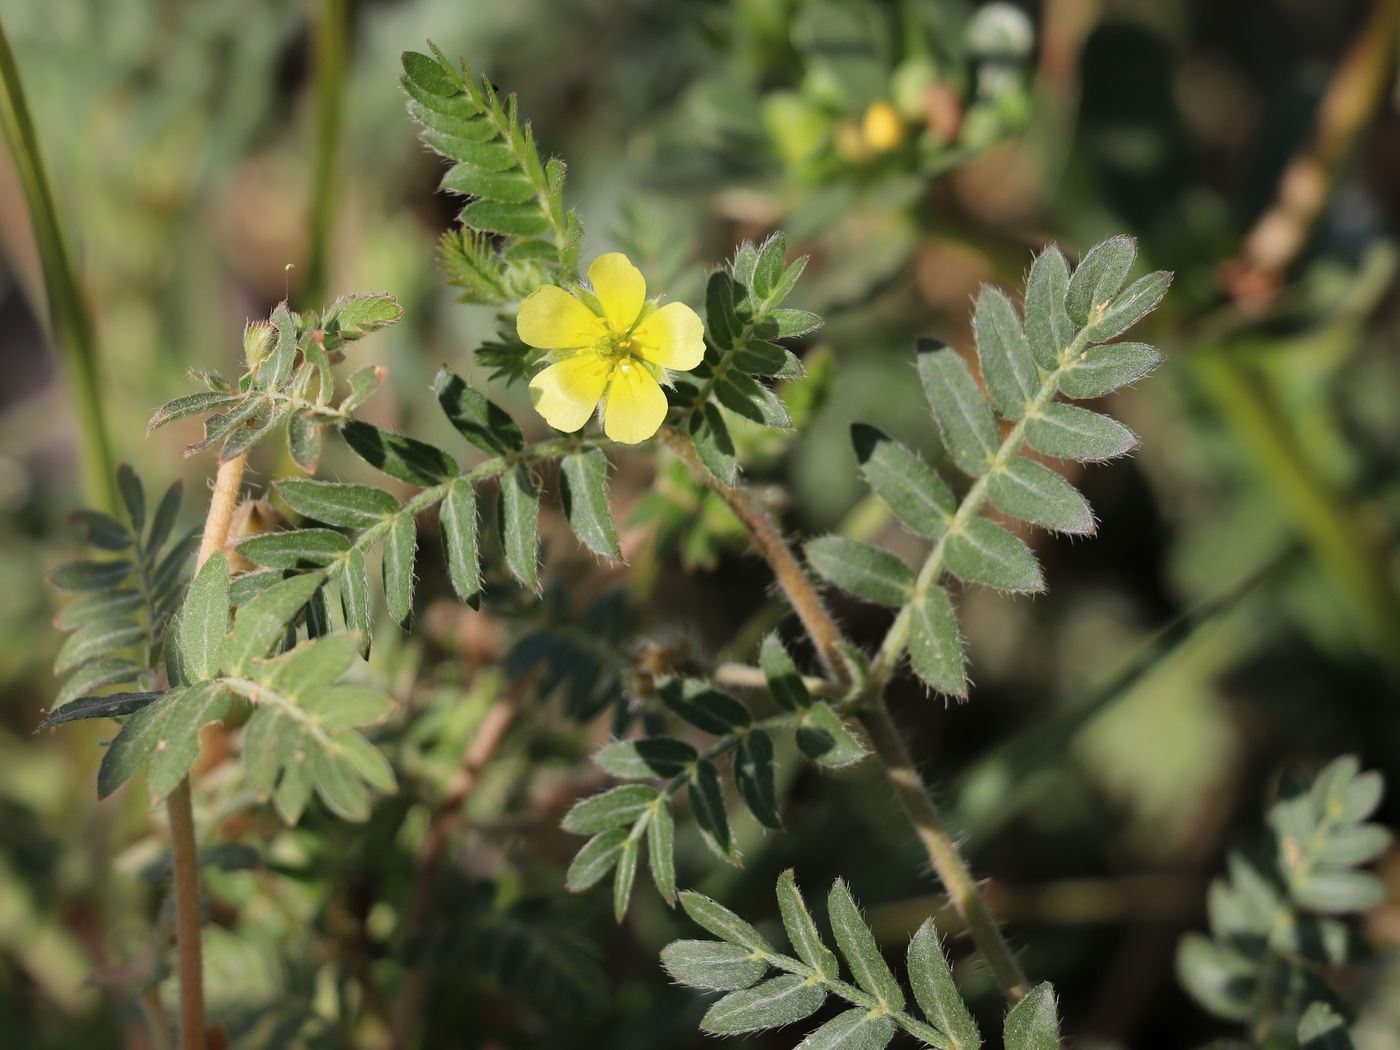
(1237, 615)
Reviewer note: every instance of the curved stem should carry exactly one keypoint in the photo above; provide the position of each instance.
(909, 787)
(69, 323)
(179, 804)
(792, 578)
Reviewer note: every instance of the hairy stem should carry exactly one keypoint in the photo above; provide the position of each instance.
(69, 323)
(919, 807)
(889, 748)
(792, 578)
(183, 849)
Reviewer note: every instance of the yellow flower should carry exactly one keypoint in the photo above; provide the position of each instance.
(610, 346)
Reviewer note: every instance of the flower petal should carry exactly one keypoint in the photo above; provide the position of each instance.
(620, 287)
(672, 337)
(636, 405)
(552, 319)
(567, 393)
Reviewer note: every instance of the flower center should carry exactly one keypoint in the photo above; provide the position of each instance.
(615, 344)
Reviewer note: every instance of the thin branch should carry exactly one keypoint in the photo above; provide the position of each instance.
(913, 794)
(183, 848)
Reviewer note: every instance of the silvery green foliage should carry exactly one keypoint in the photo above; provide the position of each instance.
(288, 381)
(1278, 915)
(122, 602)
(635, 818)
(515, 233)
(740, 961)
(744, 319)
(1060, 348)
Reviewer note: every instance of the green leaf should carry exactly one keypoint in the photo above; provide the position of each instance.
(863, 570)
(1322, 1028)
(824, 738)
(101, 530)
(338, 788)
(515, 220)
(355, 316)
(712, 965)
(1033, 1023)
(625, 876)
(97, 674)
(163, 520)
(1007, 365)
(661, 847)
(935, 992)
(752, 400)
(802, 931)
(791, 323)
(398, 456)
(304, 441)
(400, 549)
(481, 421)
(753, 775)
(781, 674)
(714, 446)
(1049, 330)
(935, 648)
(354, 598)
(1070, 432)
(262, 622)
(722, 323)
(302, 548)
(768, 269)
(859, 949)
(983, 552)
(113, 705)
(966, 423)
(704, 707)
(133, 495)
(1337, 891)
(178, 747)
(349, 506)
(1133, 304)
(96, 639)
(1353, 844)
(707, 800)
(204, 620)
(913, 492)
(1105, 368)
(520, 524)
(647, 759)
(758, 357)
(613, 808)
(584, 476)
(775, 1002)
(457, 523)
(509, 187)
(723, 923)
(1026, 490)
(1098, 277)
(82, 577)
(203, 403)
(856, 1029)
(363, 382)
(98, 605)
(595, 860)
(166, 730)
(1220, 978)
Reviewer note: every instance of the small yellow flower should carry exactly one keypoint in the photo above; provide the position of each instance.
(612, 346)
(882, 128)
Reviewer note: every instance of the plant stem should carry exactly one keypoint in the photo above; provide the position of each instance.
(183, 848)
(330, 44)
(942, 851)
(889, 748)
(806, 602)
(69, 323)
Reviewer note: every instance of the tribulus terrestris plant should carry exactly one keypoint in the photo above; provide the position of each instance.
(233, 657)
